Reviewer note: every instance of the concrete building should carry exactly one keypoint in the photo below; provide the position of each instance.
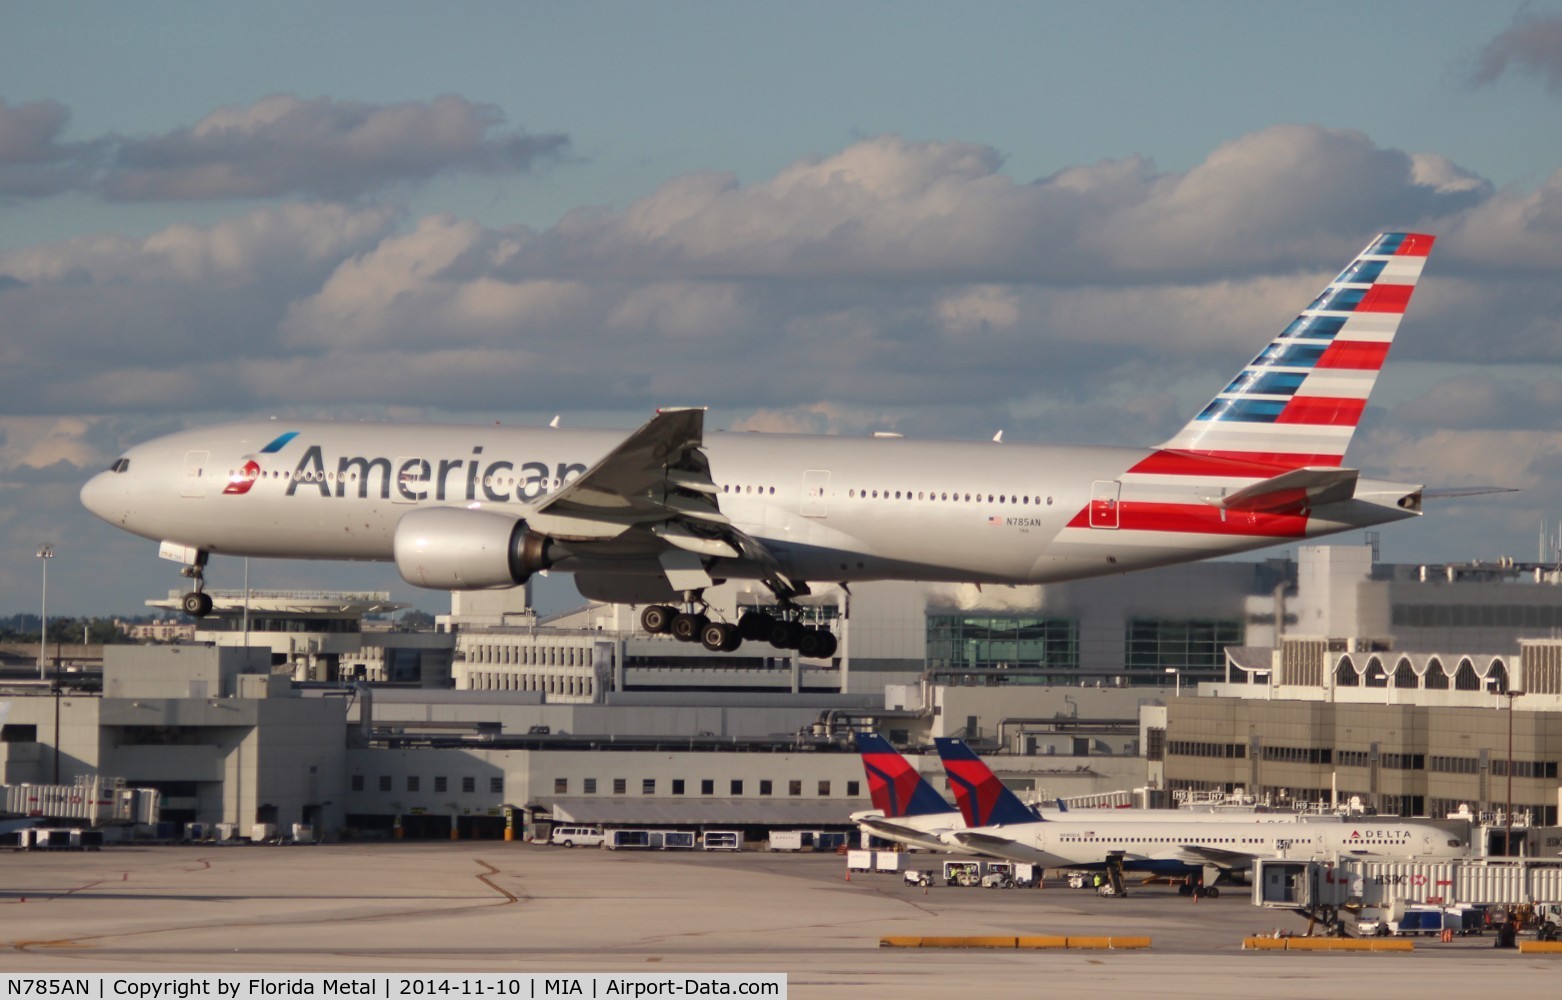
(223, 738)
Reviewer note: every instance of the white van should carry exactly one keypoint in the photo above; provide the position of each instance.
(583, 836)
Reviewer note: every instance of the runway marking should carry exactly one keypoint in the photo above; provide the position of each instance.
(509, 897)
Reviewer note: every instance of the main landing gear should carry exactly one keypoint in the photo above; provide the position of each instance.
(197, 603)
(784, 632)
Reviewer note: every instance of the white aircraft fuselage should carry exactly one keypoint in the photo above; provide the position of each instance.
(828, 508)
(1170, 846)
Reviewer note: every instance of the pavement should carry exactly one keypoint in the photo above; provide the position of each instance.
(490, 906)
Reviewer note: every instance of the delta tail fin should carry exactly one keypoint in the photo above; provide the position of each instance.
(982, 798)
(1297, 405)
(897, 788)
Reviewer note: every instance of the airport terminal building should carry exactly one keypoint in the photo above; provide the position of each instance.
(1325, 679)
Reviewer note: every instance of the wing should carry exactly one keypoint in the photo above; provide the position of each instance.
(1198, 854)
(658, 479)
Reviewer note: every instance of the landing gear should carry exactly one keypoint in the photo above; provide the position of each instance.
(784, 632)
(196, 604)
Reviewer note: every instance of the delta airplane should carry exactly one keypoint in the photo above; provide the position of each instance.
(906, 809)
(656, 517)
(999, 824)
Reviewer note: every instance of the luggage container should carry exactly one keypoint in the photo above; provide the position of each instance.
(886, 861)
(786, 840)
(721, 840)
(859, 861)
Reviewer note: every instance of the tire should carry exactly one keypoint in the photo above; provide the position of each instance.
(687, 627)
(196, 604)
(569, 843)
(717, 636)
(754, 625)
(785, 635)
(1213, 892)
(828, 644)
(657, 619)
(809, 644)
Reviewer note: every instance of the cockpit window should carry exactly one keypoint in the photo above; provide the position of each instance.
(121, 465)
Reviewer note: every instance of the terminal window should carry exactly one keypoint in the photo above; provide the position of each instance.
(737, 786)
(794, 788)
(620, 786)
(824, 788)
(496, 785)
(590, 786)
(707, 786)
(357, 783)
(560, 786)
(647, 786)
(677, 786)
(441, 783)
(385, 782)
(412, 782)
(766, 786)
(980, 641)
(468, 785)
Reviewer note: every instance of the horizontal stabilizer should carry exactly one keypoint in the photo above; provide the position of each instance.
(1305, 487)
(1450, 492)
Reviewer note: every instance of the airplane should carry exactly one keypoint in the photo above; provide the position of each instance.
(657, 516)
(906, 809)
(999, 824)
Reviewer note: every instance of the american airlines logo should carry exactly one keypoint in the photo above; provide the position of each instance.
(414, 478)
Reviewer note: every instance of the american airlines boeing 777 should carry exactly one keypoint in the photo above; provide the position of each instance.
(656, 516)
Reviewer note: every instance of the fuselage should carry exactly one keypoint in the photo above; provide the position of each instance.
(829, 508)
(1228, 843)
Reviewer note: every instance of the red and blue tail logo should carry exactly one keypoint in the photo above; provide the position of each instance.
(897, 788)
(982, 798)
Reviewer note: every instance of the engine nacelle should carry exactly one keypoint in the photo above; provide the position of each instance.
(453, 548)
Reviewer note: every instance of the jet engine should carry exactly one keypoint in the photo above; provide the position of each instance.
(454, 548)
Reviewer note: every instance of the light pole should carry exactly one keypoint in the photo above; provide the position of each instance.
(1178, 674)
(1507, 836)
(45, 553)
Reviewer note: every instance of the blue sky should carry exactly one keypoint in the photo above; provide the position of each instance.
(1074, 221)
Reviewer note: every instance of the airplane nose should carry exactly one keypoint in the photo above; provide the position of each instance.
(103, 497)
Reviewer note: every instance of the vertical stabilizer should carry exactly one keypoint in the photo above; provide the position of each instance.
(1300, 400)
(982, 798)
(897, 788)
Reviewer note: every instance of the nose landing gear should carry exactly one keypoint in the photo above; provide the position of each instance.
(197, 603)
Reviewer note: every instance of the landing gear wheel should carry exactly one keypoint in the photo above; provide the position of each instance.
(719, 637)
(816, 644)
(754, 625)
(785, 635)
(657, 619)
(687, 626)
(196, 604)
(1213, 891)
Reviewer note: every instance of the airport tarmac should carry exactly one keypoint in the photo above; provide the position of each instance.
(509, 907)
